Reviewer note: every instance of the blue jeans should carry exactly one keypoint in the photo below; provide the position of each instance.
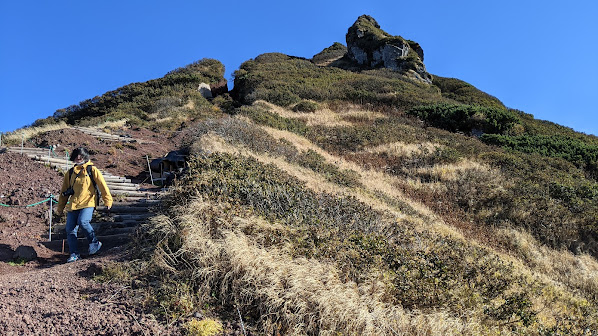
(77, 218)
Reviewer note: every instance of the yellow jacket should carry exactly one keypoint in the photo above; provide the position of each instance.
(85, 195)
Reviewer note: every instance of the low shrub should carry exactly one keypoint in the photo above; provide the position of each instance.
(306, 106)
(465, 93)
(573, 150)
(467, 118)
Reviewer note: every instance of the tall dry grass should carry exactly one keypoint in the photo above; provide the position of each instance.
(404, 150)
(294, 296)
(326, 116)
(26, 133)
(558, 266)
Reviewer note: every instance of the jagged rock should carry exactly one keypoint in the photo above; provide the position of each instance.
(25, 253)
(205, 90)
(370, 46)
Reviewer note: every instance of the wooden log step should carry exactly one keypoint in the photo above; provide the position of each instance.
(139, 194)
(26, 150)
(108, 242)
(124, 217)
(136, 203)
(113, 180)
(113, 186)
(126, 209)
(113, 231)
(100, 231)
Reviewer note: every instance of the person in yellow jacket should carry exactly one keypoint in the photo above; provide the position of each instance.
(79, 188)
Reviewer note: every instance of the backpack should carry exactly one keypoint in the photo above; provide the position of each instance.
(95, 186)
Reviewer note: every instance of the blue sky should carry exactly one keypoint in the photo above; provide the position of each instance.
(540, 57)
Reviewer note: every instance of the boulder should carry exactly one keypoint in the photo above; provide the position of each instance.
(371, 47)
(25, 253)
(205, 90)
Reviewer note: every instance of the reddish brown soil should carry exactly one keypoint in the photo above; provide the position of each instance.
(47, 296)
(64, 300)
(120, 158)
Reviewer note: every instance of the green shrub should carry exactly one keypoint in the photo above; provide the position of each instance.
(335, 51)
(573, 150)
(262, 116)
(348, 231)
(467, 118)
(284, 80)
(137, 100)
(465, 93)
(306, 106)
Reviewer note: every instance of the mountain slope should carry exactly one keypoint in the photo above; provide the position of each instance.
(337, 195)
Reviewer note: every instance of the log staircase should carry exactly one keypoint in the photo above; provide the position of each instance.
(132, 205)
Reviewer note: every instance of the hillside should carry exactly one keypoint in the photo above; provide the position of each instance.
(356, 193)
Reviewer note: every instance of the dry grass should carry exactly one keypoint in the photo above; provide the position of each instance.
(560, 267)
(401, 149)
(29, 132)
(112, 125)
(326, 116)
(576, 272)
(451, 172)
(308, 296)
(374, 181)
(304, 296)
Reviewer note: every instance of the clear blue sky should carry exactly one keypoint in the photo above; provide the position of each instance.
(537, 56)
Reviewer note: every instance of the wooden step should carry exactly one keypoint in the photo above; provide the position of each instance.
(148, 195)
(100, 231)
(136, 201)
(108, 242)
(115, 186)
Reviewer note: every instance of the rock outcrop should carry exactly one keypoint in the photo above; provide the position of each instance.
(370, 46)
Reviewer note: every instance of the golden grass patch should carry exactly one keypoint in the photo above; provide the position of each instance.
(325, 116)
(29, 132)
(402, 149)
(296, 296)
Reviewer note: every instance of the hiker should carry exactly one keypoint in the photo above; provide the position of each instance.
(79, 185)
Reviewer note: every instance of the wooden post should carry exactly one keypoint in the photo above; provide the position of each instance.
(22, 142)
(150, 169)
(50, 233)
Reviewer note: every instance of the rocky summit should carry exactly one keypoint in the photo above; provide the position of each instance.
(372, 47)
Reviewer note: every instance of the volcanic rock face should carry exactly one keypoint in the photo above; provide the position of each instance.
(370, 46)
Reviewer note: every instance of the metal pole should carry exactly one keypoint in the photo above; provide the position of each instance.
(49, 152)
(150, 169)
(50, 233)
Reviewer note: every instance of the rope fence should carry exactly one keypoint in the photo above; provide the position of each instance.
(29, 205)
(50, 201)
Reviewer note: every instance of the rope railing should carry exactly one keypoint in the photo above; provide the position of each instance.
(30, 205)
(51, 201)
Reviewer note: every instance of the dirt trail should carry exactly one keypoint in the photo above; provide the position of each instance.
(64, 300)
(47, 296)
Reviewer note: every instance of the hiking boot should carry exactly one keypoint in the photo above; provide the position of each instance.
(94, 247)
(73, 257)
